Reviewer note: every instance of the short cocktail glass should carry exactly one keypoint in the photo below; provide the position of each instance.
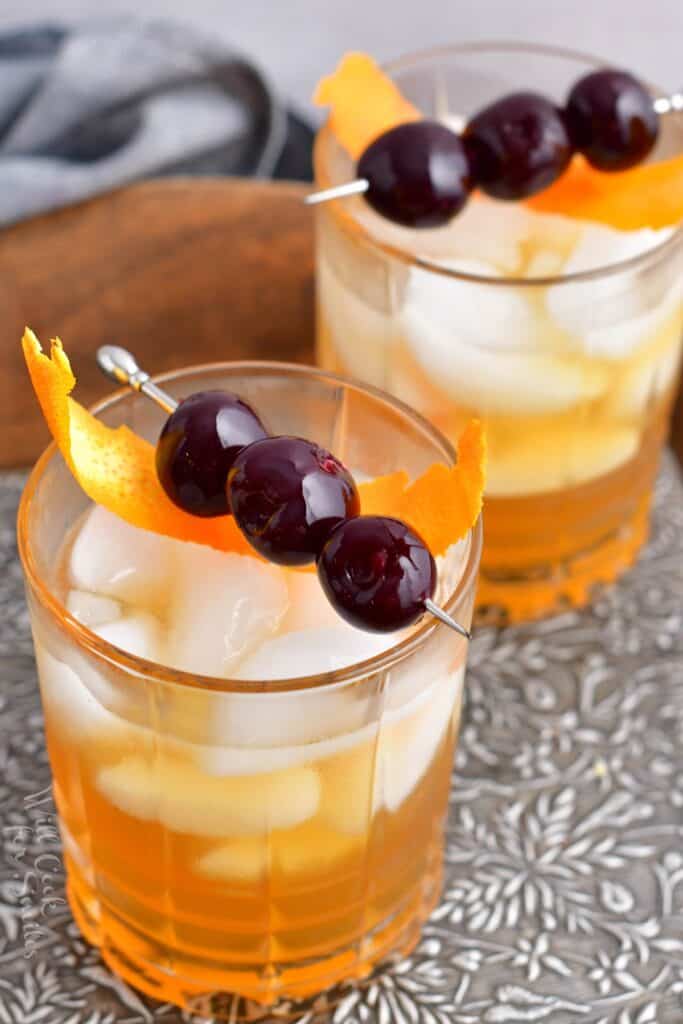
(231, 844)
(572, 370)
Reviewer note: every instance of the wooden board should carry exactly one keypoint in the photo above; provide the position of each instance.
(179, 270)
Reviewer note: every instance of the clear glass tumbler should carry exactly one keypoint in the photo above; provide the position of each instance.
(573, 372)
(231, 844)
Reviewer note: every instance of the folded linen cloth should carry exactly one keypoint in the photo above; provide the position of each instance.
(87, 109)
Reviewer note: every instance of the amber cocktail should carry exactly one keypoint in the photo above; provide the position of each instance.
(563, 335)
(251, 792)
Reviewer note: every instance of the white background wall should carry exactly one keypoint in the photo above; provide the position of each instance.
(298, 40)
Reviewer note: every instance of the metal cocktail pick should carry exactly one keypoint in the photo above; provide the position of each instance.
(120, 365)
(663, 105)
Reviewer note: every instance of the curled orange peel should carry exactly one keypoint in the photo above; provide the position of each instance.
(442, 504)
(649, 196)
(363, 102)
(116, 468)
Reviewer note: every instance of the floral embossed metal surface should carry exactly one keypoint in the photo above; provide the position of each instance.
(564, 885)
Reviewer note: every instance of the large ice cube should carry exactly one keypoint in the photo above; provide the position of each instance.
(112, 558)
(222, 607)
(407, 747)
(91, 609)
(68, 701)
(314, 651)
(490, 348)
(611, 315)
(173, 792)
(139, 635)
(569, 454)
(241, 860)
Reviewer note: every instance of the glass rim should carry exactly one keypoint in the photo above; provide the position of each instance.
(653, 254)
(116, 656)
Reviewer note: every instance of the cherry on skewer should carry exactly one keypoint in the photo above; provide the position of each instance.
(291, 504)
(418, 177)
(287, 495)
(517, 146)
(418, 174)
(612, 120)
(379, 575)
(200, 440)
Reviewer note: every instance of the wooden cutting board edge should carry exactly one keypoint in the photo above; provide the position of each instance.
(178, 269)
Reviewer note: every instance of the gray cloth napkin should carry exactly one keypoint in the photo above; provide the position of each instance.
(92, 108)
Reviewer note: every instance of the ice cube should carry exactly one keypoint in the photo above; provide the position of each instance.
(301, 856)
(569, 454)
(610, 315)
(68, 699)
(139, 635)
(296, 723)
(241, 860)
(91, 609)
(314, 652)
(173, 792)
(222, 607)
(407, 747)
(491, 233)
(308, 604)
(349, 785)
(601, 246)
(360, 334)
(486, 231)
(545, 262)
(488, 348)
(112, 558)
(648, 380)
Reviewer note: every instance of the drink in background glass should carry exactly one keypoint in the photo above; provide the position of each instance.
(563, 336)
(263, 819)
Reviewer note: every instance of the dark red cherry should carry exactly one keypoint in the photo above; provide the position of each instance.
(377, 573)
(517, 146)
(287, 495)
(612, 120)
(198, 445)
(418, 174)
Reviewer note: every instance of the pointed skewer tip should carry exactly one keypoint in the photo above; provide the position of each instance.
(444, 617)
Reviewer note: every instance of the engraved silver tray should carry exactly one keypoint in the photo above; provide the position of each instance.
(563, 899)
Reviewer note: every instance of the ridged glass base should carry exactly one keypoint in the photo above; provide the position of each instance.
(280, 992)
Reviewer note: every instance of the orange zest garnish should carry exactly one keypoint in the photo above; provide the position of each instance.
(116, 468)
(442, 504)
(363, 102)
(649, 196)
(382, 493)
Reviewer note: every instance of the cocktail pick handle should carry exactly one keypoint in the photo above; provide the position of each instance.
(120, 365)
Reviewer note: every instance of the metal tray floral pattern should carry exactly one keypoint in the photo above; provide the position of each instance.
(563, 899)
